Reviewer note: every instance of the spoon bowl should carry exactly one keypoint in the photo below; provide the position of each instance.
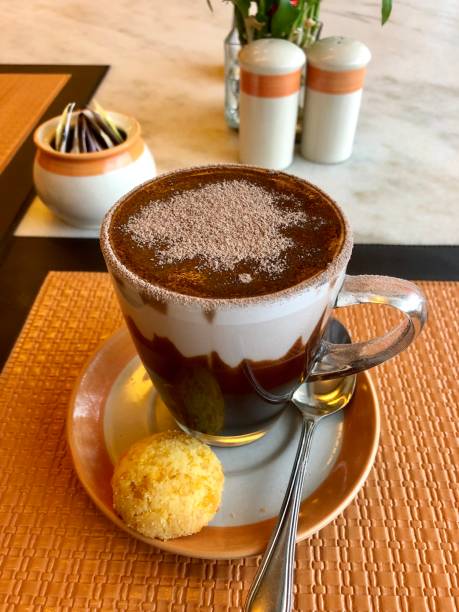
(324, 397)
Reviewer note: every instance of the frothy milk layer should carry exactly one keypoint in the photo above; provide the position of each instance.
(257, 333)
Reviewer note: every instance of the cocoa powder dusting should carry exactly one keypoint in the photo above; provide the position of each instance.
(222, 224)
(219, 233)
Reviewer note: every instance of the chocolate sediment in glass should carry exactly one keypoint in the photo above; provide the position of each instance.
(206, 395)
(281, 231)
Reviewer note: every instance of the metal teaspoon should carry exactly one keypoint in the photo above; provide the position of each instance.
(271, 590)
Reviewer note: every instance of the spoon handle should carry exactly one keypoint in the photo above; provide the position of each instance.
(272, 587)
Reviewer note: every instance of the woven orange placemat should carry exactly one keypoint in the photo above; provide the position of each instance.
(23, 100)
(396, 547)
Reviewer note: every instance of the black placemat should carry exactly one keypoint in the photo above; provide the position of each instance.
(27, 261)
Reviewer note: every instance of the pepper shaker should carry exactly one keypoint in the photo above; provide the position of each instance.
(269, 89)
(335, 74)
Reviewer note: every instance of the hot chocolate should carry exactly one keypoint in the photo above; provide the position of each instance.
(226, 233)
(226, 276)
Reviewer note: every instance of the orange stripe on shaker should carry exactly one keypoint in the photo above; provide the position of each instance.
(334, 82)
(270, 86)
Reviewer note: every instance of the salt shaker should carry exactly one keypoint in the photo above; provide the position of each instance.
(268, 107)
(335, 74)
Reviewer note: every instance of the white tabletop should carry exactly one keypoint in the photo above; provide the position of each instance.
(401, 184)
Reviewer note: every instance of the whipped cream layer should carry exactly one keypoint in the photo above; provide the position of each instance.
(264, 330)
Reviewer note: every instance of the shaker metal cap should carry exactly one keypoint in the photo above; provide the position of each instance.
(271, 56)
(338, 53)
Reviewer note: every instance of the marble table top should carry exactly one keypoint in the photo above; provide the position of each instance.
(401, 184)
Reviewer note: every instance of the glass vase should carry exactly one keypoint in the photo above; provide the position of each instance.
(232, 46)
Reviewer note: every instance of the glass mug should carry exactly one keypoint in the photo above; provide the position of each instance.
(226, 376)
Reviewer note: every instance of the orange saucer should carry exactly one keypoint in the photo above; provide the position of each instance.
(114, 403)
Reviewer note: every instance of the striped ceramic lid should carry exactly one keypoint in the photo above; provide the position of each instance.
(338, 54)
(270, 56)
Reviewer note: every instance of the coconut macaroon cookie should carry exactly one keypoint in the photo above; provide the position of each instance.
(167, 485)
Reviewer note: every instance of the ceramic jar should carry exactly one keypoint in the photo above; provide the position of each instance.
(334, 79)
(81, 187)
(269, 88)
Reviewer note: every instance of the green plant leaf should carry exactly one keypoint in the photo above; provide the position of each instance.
(261, 9)
(386, 8)
(242, 6)
(301, 16)
(241, 12)
(284, 19)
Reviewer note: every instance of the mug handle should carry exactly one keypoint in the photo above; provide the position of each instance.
(335, 360)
